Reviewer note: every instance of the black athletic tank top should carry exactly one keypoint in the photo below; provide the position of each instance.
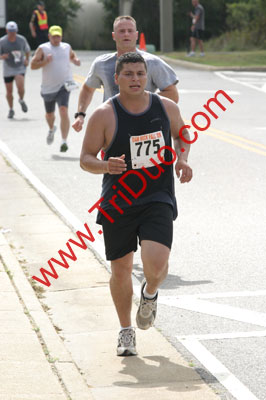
(140, 137)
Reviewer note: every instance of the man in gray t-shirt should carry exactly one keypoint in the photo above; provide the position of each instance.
(197, 28)
(160, 75)
(15, 51)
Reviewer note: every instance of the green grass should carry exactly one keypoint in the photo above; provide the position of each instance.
(255, 58)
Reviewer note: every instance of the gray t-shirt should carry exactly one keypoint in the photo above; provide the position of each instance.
(14, 64)
(160, 74)
(199, 10)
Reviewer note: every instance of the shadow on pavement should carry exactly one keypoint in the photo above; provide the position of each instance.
(171, 281)
(158, 372)
(56, 157)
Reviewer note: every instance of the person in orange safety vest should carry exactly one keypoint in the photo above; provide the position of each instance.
(39, 23)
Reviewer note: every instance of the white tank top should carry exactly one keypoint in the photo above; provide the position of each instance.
(58, 71)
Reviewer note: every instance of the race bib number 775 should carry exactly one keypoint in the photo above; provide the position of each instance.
(144, 147)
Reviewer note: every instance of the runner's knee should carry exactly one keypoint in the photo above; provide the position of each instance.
(121, 268)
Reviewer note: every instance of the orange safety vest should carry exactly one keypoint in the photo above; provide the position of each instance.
(42, 20)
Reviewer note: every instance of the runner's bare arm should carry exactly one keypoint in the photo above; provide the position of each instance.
(38, 60)
(73, 58)
(85, 98)
(177, 124)
(27, 57)
(170, 92)
(31, 25)
(97, 136)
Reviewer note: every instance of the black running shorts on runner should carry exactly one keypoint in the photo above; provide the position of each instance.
(61, 98)
(198, 34)
(9, 79)
(153, 221)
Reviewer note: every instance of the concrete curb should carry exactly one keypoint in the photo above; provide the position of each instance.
(65, 367)
(193, 65)
(53, 202)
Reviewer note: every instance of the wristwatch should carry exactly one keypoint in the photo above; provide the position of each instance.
(80, 113)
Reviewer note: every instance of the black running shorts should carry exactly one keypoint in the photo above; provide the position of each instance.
(153, 221)
(198, 34)
(9, 79)
(61, 98)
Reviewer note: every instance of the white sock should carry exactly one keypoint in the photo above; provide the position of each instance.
(147, 295)
(63, 141)
(122, 328)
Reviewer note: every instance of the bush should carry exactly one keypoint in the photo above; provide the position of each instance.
(235, 40)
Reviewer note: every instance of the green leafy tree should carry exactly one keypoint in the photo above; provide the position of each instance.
(111, 8)
(147, 15)
(238, 23)
(60, 12)
(240, 15)
(246, 21)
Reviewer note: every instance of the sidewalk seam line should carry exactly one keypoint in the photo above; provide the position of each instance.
(36, 330)
(35, 327)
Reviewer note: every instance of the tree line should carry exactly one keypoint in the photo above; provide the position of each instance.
(60, 12)
(234, 24)
(230, 24)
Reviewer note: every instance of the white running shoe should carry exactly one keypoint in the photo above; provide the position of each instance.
(191, 54)
(146, 313)
(50, 137)
(127, 343)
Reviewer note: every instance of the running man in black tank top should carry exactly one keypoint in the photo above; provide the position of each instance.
(138, 199)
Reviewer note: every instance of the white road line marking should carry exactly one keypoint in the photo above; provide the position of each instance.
(251, 79)
(223, 76)
(220, 336)
(215, 309)
(213, 295)
(250, 73)
(218, 370)
(53, 201)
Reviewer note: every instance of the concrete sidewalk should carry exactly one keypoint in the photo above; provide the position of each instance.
(60, 342)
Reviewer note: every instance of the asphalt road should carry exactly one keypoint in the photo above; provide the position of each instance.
(212, 305)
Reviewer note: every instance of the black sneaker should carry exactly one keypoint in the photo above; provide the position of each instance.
(127, 343)
(11, 113)
(146, 313)
(64, 147)
(23, 105)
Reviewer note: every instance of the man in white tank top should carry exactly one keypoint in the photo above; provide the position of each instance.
(57, 81)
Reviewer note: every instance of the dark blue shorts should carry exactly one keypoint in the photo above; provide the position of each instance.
(152, 221)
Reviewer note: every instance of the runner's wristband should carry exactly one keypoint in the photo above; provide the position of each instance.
(79, 113)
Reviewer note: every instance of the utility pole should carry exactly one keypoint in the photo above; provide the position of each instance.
(125, 7)
(2, 13)
(166, 26)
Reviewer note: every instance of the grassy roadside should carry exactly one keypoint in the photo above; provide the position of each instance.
(256, 58)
